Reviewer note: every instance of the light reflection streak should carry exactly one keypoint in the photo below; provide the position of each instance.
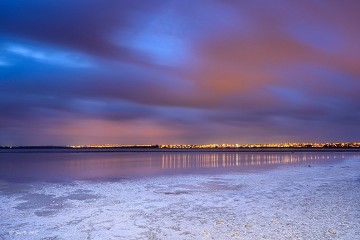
(216, 160)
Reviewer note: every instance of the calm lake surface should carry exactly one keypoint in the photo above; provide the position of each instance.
(68, 165)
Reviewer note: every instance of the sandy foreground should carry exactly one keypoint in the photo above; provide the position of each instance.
(291, 202)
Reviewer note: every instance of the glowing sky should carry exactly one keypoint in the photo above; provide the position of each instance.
(179, 71)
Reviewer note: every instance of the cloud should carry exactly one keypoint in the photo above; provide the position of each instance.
(47, 56)
(182, 71)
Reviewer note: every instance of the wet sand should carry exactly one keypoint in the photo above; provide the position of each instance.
(320, 201)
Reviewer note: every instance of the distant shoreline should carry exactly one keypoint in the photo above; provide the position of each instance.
(250, 147)
(54, 149)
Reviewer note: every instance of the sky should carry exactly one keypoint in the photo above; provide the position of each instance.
(179, 71)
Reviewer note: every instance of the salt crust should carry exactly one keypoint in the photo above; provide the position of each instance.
(292, 202)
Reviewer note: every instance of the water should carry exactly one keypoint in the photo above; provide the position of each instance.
(178, 195)
(67, 165)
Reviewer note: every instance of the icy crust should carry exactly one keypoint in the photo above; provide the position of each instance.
(297, 202)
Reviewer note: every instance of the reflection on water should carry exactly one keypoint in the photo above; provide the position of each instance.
(116, 165)
(216, 160)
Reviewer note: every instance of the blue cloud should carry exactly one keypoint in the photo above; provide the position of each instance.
(46, 56)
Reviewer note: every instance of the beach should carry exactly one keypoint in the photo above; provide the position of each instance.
(294, 201)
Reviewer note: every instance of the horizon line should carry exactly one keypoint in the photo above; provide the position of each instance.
(211, 145)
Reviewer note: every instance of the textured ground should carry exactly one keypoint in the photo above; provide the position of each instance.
(292, 202)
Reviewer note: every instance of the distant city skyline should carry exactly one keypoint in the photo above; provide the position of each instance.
(208, 146)
(159, 71)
